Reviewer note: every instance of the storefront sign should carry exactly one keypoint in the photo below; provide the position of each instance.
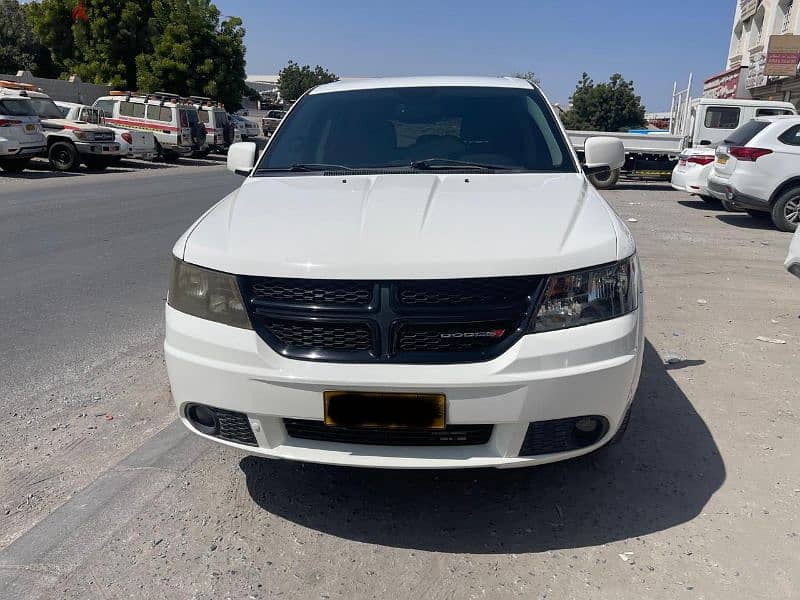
(756, 74)
(724, 85)
(747, 8)
(783, 55)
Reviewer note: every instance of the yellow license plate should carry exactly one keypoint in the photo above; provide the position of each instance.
(30, 127)
(722, 159)
(382, 410)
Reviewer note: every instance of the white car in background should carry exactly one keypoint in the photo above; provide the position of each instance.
(132, 143)
(793, 260)
(757, 168)
(248, 128)
(691, 173)
(21, 136)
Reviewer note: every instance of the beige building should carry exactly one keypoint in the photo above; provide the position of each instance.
(754, 23)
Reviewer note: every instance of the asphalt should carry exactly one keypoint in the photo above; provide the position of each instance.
(103, 495)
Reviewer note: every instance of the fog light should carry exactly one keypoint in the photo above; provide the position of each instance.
(203, 419)
(587, 425)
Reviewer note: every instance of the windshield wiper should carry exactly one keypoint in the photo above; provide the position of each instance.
(304, 168)
(446, 163)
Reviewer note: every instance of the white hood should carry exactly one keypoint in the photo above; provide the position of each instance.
(407, 226)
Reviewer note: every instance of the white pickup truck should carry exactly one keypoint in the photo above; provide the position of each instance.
(694, 123)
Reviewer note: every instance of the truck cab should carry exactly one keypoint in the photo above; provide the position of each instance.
(711, 120)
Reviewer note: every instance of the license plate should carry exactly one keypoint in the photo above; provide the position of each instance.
(722, 160)
(381, 410)
(30, 127)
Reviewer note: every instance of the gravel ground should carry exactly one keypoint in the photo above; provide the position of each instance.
(699, 501)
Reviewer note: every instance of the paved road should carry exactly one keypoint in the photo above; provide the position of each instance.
(700, 501)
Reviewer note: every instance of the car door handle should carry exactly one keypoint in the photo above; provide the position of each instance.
(165, 131)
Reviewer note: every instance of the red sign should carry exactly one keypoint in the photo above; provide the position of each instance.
(724, 85)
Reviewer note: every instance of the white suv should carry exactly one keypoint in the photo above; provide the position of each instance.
(757, 168)
(21, 135)
(415, 274)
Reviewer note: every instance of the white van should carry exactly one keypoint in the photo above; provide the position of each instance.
(174, 122)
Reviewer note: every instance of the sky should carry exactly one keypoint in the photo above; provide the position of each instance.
(652, 43)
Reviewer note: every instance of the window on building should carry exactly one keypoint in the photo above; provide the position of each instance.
(722, 117)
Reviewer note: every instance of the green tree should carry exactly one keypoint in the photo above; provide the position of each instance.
(193, 52)
(294, 80)
(612, 106)
(103, 49)
(18, 47)
(529, 76)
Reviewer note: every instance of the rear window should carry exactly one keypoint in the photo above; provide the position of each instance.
(746, 132)
(773, 112)
(791, 136)
(17, 108)
(722, 117)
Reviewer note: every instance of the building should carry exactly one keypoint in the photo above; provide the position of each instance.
(755, 25)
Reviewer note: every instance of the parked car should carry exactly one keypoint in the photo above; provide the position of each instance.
(220, 130)
(793, 260)
(70, 143)
(173, 121)
(248, 128)
(757, 168)
(21, 136)
(270, 122)
(463, 299)
(132, 142)
(691, 173)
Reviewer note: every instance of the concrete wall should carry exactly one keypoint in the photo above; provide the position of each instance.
(73, 90)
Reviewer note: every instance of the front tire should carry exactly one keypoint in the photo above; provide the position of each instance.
(14, 165)
(606, 180)
(786, 210)
(63, 156)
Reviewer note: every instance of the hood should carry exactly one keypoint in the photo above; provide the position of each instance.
(67, 124)
(406, 226)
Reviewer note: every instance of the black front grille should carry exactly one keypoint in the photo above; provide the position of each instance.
(407, 321)
(312, 293)
(104, 136)
(234, 427)
(460, 337)
(311, 335)
(452, 435)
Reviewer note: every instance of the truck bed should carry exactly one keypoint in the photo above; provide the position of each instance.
(653, 143)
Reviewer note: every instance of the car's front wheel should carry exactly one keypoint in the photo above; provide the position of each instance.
(786, 210)
(63, 156)
(14, 165)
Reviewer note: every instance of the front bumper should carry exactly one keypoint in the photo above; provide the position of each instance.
(589, 370)
(98, 148)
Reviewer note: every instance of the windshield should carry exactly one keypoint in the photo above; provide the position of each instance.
(46, 108)
(510, 128)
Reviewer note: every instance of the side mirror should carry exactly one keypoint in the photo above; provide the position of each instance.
(242, 158)
(603, 153)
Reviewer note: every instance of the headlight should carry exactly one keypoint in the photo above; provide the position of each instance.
(82, 135)
(206, 294)
(588, 296)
